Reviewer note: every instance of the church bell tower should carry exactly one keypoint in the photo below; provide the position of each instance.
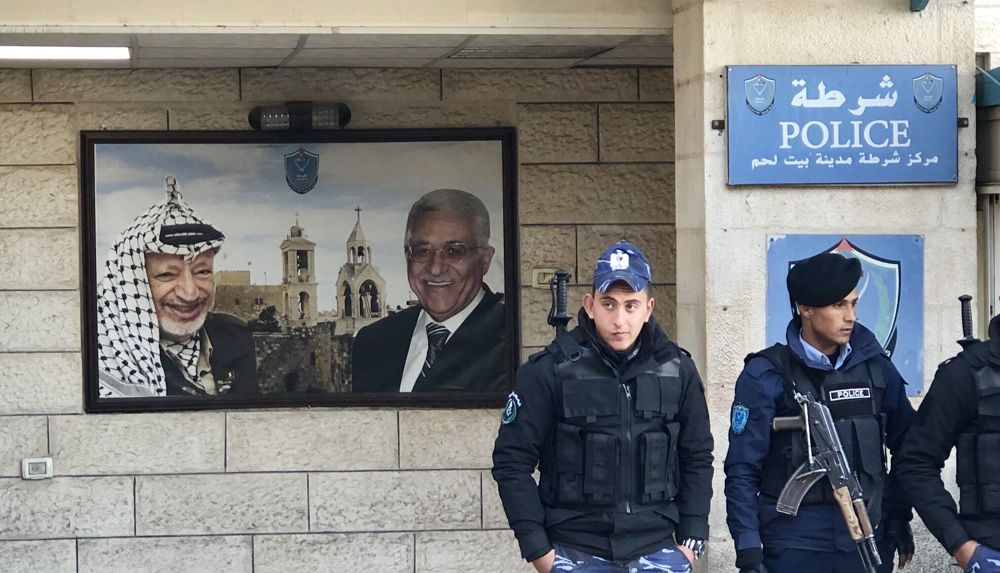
(298, 283)
(360, 287)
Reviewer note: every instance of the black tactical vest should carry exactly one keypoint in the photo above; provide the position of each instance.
(978, 449)
(615, 439)
(854, 397)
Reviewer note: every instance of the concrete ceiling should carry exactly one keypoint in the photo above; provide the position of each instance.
(207, 50)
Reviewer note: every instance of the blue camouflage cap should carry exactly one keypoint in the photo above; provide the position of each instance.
(623, 261)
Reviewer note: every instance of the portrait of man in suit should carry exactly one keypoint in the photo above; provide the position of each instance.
(454, 338)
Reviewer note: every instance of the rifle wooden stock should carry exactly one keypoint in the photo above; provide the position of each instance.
(866, 522)
(843, 497)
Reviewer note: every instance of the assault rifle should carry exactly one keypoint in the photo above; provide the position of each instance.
(827, 458)
(558, 317)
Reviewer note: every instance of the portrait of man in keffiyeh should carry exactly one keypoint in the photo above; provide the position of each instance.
(156, 333)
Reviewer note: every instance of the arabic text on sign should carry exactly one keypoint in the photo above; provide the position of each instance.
(830, 161)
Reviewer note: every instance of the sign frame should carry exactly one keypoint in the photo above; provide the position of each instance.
(794, 101)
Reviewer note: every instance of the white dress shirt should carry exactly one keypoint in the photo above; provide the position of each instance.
(418, 342)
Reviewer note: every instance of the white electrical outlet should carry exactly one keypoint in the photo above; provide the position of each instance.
(36, 468)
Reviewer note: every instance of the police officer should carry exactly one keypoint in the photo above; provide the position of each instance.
(840, 363)
(613, 414)
(962, 410)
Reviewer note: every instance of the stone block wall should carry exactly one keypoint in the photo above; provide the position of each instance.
(722, 230)
(310, 359)
(242, 300)
(988, 30)
(345, 490)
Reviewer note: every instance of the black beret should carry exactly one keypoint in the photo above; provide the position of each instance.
(823, 279)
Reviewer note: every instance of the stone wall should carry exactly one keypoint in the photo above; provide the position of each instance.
(320, 489)
(988, 30)
(248, 301)
(722, 231)
(311, 359)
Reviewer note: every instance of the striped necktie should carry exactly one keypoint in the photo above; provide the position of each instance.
(437, 334)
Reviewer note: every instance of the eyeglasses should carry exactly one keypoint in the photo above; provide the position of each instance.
(452, 252)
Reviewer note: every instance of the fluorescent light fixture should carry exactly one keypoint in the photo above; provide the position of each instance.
(63, 53)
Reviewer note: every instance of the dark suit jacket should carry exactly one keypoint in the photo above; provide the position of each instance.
(234, 360)
(473, 360)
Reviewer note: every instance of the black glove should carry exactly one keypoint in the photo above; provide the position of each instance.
(751, 560)
(898, 533)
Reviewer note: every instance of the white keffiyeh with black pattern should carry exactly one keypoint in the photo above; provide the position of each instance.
(186, 355)
(128, 332)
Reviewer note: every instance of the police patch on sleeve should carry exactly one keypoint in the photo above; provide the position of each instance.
(740, 416)
(510, 410)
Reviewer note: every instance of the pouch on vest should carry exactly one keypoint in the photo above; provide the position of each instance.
(589, 399)
(569, 463)
(658, 458)
(586, 461)
(987, 448)
(868, 434)
(657, 396)
(978, 473)
(601, 462)
(967, 475)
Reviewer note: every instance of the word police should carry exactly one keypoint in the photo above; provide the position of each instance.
(850, 394)
(857, 134)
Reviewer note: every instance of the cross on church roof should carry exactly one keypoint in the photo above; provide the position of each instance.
(358, 210)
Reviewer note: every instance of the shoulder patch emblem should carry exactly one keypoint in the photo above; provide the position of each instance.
(741, 414)
(510, 410)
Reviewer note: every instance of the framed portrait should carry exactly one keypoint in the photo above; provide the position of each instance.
(323, 268)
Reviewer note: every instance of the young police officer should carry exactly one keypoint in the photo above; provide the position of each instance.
(613, 414)
(961, 409)
(841, 364)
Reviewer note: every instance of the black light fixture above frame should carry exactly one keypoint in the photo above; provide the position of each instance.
(300, 116)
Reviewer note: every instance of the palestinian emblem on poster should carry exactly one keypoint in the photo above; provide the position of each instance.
(301, 170)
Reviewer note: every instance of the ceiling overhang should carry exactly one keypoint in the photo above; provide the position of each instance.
(348, 33)
(318, 48)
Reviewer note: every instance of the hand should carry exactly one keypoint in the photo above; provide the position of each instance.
(687, 553)
(964, 553)
(899, 533)
(544, 563)
(751, 560)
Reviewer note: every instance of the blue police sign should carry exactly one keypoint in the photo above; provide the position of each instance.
(848, 125)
